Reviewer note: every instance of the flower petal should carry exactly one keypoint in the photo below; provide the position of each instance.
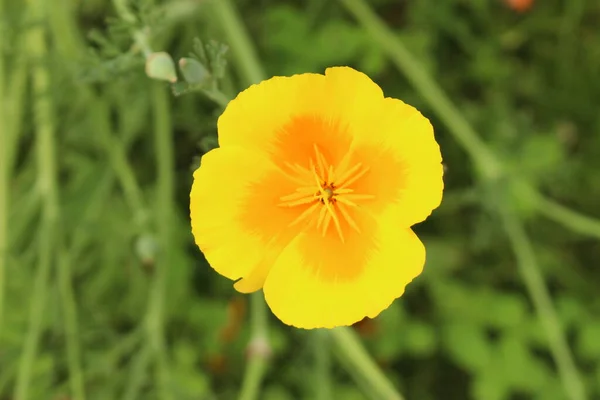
(301, 290)
(235, 220)
(264, 117)
(256, 115)
(407, 157)
(355, 99)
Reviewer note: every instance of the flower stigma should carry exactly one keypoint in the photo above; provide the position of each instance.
(325, 193)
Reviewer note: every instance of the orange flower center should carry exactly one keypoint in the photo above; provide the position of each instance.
(324, 195)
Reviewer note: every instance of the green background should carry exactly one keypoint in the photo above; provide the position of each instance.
(103, 294)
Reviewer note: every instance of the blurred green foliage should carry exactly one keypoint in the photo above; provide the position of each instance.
(528, 82)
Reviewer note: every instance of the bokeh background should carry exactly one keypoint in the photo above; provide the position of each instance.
(103, 294)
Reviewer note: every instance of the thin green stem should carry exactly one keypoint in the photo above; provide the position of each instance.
(250, 68)
(138, 374)
(14, 109)
(57, 14)
(124, 11)
(218, 97)
(47, 186)
(51, 236)
(3, 233)
(259, 318)
(12, 94)
(4, 179)
(322, 377)
(485, 161)
(71, 329)
(349, 349)
(126, 346)
(543, 303)
(63, 24)
(140, 36)
(120, 164)
(258, 350)
(116, 150)
(239, 40)
(573, 220)
(69, 44)
(7, 376)
(255, 369)
(164, 211)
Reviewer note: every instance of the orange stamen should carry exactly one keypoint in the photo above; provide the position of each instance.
(328, 195)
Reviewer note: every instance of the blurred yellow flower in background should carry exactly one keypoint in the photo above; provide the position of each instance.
(312, 193)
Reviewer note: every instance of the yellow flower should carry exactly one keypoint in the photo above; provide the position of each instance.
(312, 194)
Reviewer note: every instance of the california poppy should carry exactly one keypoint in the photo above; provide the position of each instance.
(312, 193)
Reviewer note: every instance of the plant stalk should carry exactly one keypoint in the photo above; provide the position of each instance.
(322, 377)
(349, 348)
(47, 187)
(251, 70)
(5, 174)
(542, 301)
(165, 211)
(485, 161)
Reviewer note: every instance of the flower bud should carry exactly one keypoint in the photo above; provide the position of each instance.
(193, 71)
(161, 66)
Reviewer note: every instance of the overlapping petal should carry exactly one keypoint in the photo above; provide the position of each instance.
(255, 117)
(404, 145)
(234, 218)
(302, 291)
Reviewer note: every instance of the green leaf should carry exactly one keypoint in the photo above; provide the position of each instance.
(468, 346)
(489, 385)
(420, 339)
(588, 341)
(520, 368)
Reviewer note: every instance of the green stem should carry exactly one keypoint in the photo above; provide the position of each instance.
(118, 159)
(218, 97)
(69, 44)
(573, 220)
(239, 40)
(164, 212)
(124, 12)
(11, 112)
(322, 377)
(4, 179)
(250, 68)
(63, 24)
(61, 19)
(15, 108)
(258, 350)
(68, 304)
(138, 374)
(47, 186)
(485, 161)
(70, 315)
(140, 36)
(349, 348)
(255, 369)
(543, 303)
(63, 28)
